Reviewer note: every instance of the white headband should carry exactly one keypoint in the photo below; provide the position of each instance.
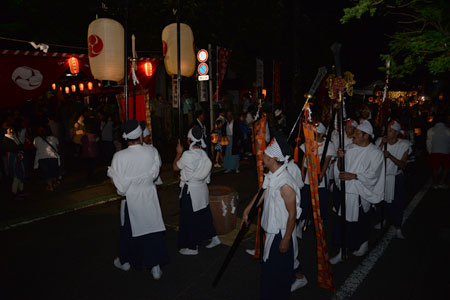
(146, 132)
(351, 122)
(274, 151)
(321, 129)
(366, 127)
(395, 125)
(135, 134)
(194, 140)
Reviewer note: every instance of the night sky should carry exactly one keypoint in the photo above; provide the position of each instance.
(263, 29)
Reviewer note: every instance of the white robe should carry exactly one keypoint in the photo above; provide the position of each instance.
(275, 215)
(397, 150)
(195, 171)
(368, 165)
(133, 171)
(154, 152)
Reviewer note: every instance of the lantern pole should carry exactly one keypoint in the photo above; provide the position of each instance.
(125, 23)
(180, 120)
(133, 66)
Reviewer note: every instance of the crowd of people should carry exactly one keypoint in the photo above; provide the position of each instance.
(371, 182)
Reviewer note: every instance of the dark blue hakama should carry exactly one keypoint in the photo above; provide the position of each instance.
(195, 227)
(146, 250)
(277, 272)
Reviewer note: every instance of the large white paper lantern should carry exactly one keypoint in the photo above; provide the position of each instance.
(187, 49)
(106, 49)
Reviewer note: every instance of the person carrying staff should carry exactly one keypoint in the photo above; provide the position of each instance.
(281, 209)
(364, 185)
(396, 154)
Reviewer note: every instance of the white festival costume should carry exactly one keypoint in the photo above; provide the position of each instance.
(397, 150)
(275, 215)
(134, 171)
(195, 171)
(368, 165)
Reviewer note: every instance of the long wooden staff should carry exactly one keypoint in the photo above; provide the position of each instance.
(238, 239)
(336, 48)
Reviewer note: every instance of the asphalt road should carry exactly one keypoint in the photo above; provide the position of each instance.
(70, 256)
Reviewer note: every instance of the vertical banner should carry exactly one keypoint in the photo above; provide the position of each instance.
(324, 275)
(259, 73)
(174, 92)
(276, 82)
(223, 56)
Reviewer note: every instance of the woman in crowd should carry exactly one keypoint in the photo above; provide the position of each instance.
(47, 158)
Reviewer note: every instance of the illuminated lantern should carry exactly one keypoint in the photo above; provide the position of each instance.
(99, 84)
(67, 89)
(264, 92)
(430, 119)
(148, 69)
(106, 49)
(417, 131)
(187, 53)
(90, 86)
(370, 99)
(74, 65)
(74, 88)
(378, 94)
(60, 89)
(224, 141)
(81, 87)
(53, 86)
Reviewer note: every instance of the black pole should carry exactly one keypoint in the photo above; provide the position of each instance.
(125, 78)
(134, 101)
(342, 162)
(180, 119)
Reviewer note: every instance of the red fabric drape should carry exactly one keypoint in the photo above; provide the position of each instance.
(140, 107)
(23, 78)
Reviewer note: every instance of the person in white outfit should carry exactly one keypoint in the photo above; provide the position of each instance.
(281, 209)
(196, 223)
(438, 146)
(133, 172)
(364, 185)
(396, 155)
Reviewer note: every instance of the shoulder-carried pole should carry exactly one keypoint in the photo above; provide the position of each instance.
(238, 239)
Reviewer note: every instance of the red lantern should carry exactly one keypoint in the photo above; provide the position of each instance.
(74, 65)
(67, 89)
(53, 86)
(148, 69)
(81, 87)
(99, 84)
(74, 88)
(90, 86)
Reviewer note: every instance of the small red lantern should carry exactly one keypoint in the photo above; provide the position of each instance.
(90, 86)
(99, 84)
(53, 86)
(74, 88)
(67, 89)
(148, 67)
(74, 65)
(81, 85)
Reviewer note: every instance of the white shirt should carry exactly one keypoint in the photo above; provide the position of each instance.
(368, 165)
(275, 215)
(133, 171)
(230, 128)
(331, 151)
(397, 150)
(438, 139)
(44, 150)
(195, 171)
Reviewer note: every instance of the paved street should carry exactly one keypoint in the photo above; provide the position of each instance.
(70, 256)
